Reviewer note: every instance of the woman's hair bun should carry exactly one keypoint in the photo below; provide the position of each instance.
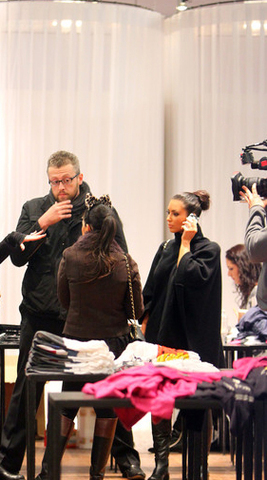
(204, 199)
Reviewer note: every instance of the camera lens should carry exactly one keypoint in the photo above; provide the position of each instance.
(238, 181)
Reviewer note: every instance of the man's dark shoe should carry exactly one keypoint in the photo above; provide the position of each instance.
(5, 475)
(133, 472)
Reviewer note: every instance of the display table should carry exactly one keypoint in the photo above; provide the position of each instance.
(240, 351)
(32, 380)
(4, 345)
(231, 352)
(250, 445)
(57, 401)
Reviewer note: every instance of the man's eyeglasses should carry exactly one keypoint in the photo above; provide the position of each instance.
(65, 181)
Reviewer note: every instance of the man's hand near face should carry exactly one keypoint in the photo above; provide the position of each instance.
(58, 211)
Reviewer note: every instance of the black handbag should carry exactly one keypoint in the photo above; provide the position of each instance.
(135, 328)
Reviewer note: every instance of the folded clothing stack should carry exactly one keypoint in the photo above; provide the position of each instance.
(51, 353)
(165, 354)
(184, 360)
(9, 333)
(138, 353)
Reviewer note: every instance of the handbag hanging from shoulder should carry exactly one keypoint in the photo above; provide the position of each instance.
(135, 328)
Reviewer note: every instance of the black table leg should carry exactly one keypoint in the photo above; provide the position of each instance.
(265, 438)
(190, 445)
(53, 434)
(239, 452)
(205, 446)
(184, 447)
(248, 449)
(258, 437)
(2, 388)
(30, 427)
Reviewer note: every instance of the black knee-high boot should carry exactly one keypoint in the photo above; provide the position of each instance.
(102, 443)
(161, 438)
(66, 431)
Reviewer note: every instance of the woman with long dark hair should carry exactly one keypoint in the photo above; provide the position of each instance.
(93, 287)
(244, 273)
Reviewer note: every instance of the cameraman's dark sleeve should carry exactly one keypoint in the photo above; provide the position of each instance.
(119, 237)
(9, 244)
(256, 234)
(26, 225)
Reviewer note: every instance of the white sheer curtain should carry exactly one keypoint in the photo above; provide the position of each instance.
(89, 78)
(86, 78)
(215, 104)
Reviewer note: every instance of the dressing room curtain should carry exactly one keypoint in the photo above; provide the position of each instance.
(215, 104)
(86, 78)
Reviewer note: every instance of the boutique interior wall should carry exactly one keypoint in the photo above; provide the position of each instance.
(151, 106)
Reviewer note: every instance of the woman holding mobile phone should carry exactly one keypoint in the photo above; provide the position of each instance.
(182, 298)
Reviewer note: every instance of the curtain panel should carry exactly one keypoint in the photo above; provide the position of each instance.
(215, 75)
(151, 106)
(86, 78)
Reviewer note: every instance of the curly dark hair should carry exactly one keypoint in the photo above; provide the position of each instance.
(248, 272)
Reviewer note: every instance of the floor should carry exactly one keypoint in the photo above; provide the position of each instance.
(76, 461)
(76, 465)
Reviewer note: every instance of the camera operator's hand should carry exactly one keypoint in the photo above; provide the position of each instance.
(252, 197)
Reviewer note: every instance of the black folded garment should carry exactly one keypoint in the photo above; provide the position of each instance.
(253, 322)
(237, 398)
(10, 333)
(49, 353)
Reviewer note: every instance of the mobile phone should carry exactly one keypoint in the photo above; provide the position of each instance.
(193, 215)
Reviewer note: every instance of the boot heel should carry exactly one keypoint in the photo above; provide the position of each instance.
(159, 476)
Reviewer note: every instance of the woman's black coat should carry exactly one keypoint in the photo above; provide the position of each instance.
(184, 303)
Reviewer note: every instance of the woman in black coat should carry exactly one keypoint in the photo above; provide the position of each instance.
(182, 298)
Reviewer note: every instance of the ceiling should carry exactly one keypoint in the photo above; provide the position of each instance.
(165, 7)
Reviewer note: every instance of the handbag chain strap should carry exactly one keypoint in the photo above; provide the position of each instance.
(130, 285)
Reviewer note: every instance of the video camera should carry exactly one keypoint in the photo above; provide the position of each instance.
(238, 181)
